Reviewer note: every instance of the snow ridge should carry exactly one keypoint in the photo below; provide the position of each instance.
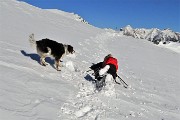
(68, 15)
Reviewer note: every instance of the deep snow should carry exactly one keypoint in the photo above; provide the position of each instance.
(29, 91)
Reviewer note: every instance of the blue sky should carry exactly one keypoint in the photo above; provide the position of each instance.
(119, 13)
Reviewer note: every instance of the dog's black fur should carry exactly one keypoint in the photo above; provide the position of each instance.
(57, 49)
(46, 47)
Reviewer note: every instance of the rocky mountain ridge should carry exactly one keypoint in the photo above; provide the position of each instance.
(154, 35)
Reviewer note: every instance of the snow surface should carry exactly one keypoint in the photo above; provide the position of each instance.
(29, 91)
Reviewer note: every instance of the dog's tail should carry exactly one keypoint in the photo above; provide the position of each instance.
(32, 40)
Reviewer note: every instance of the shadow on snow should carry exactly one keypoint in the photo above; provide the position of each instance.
(36, 58)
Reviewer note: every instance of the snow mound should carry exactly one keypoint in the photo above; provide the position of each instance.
(109, 89)
(70, 65)
(172, 46)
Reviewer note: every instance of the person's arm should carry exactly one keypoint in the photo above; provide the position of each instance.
(104, 70)
(96, 66)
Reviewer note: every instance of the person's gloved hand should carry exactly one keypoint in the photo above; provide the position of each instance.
(104, 70)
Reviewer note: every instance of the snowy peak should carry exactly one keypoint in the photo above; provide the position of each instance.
(128, 30)
(68, 15)
(170, 35)
(155, 35)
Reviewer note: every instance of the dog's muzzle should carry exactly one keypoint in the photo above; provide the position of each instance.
(73, 51)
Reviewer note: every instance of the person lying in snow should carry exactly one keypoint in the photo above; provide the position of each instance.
(109, 65)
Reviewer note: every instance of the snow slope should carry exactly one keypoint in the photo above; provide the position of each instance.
(29, 91)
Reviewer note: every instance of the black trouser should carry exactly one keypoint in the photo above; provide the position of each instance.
(112, 70)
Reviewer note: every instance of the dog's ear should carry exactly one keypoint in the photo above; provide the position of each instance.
(70, 49)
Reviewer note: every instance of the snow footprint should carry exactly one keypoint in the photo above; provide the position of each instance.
(83, 111)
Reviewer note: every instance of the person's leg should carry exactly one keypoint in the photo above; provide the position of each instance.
(112, 71)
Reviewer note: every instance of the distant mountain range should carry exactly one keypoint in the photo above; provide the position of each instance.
(154, 35)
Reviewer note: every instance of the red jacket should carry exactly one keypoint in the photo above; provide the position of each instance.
(113, 61)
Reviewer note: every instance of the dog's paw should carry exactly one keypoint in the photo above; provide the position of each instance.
(61, 65)
(47, 63)
(44, 64)
(58, 69)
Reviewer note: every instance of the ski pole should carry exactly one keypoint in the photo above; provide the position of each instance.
(117, 82)
(120, 84)
(122, 80)
(88, 70)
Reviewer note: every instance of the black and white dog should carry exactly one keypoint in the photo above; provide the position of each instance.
(47, 47)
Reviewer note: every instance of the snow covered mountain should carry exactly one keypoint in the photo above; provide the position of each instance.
(29, 91)
(155, 35)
